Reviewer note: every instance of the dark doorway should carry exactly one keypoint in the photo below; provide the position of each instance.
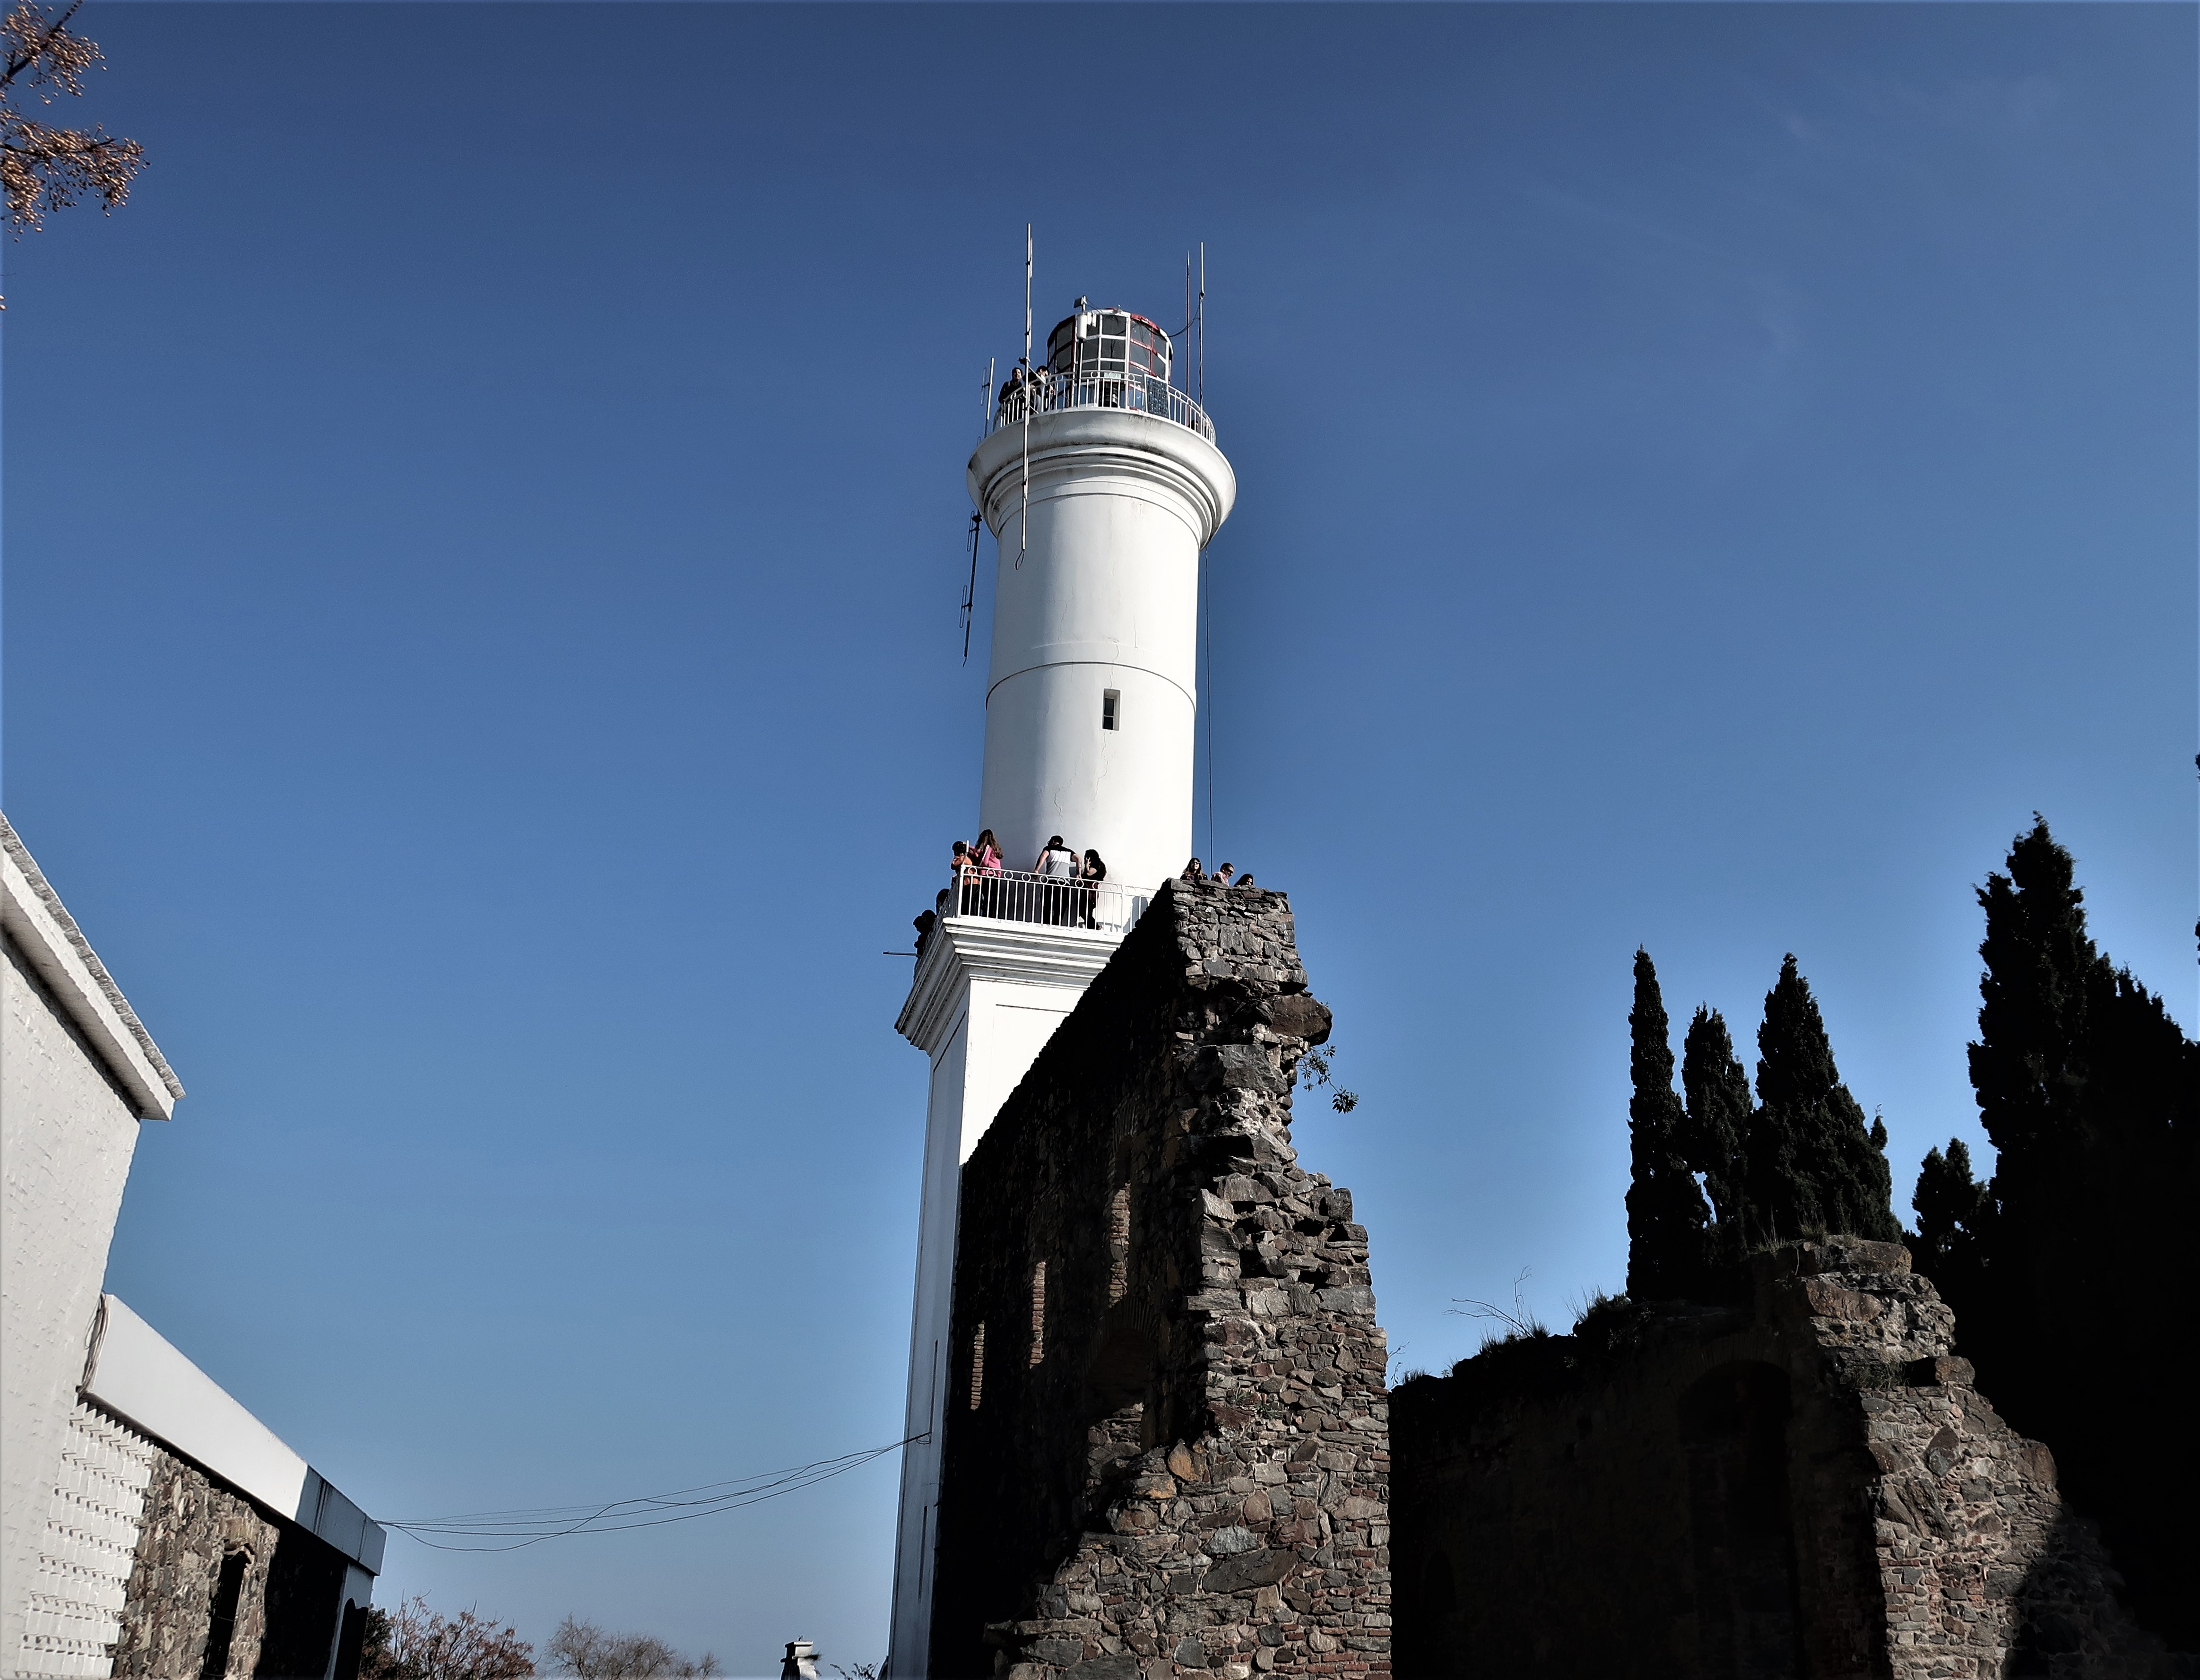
(222, 1627)
(351, 1641)
(1733, 1432)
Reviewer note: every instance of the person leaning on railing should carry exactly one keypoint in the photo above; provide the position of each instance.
(987, 854)
(1088, 891)
(1056, 863)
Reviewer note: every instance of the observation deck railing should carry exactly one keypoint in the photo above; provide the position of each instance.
(1053, 901)
(1140, 393)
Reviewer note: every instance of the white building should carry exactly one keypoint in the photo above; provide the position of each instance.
(1101, 483)
(100, 1418)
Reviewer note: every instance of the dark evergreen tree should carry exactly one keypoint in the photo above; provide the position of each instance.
(1717, 1119)
(1665, 1215)
(1811, 1167)
(1953, 1209)
(1879, 1180)
(2028, 1067)
(2090, 1094)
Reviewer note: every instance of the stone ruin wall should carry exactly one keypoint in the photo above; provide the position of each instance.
(1803, 1484)
(1167, 1450)
(290, 1584)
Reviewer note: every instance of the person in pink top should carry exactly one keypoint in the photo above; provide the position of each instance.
(987, 851)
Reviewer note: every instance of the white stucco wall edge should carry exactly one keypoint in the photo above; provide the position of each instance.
(138, 1374)
(963, 949)
(35, 918)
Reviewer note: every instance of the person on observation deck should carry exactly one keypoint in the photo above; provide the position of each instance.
(1012, 388)
(1193, 872)
(928, 922)
(1090, 878)
(961, 870)
(987, 854)
(1246, 879)
(1223, 876)
(1056, 862)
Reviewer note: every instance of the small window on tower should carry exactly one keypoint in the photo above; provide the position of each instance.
(1111, 710)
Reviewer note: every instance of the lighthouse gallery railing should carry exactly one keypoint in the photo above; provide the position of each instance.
(1053, 901)
(1140, 393)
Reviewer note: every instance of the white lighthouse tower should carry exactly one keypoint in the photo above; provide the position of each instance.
(1101, 483)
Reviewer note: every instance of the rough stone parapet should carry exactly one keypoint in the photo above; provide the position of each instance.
(1189, 1474)
(1802, 1482)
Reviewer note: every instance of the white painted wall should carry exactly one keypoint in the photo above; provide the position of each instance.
(94, 1513)
(67, 1136)
(987, 996)
(1105, 595)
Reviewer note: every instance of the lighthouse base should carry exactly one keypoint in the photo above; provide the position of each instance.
(987, 996)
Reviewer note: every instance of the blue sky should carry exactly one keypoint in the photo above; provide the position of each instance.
(482, 552)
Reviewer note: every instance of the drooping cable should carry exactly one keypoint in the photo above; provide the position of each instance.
(977, 519)
(533, 1526)
(970, 589)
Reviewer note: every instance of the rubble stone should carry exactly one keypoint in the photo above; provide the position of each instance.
(1801, 1481)
(1207, 1431)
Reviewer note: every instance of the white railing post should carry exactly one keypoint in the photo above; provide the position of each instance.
(1050, 901)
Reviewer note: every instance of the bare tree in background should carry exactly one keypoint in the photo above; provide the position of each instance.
(584, 1649)
(413, 1642)
(45, 167)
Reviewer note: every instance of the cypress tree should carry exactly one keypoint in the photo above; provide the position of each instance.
(1812, 1166)
(1953, 1210)
(1717, 1119)
(2090, 1094)
(2028, 1066)
(1665, 1215)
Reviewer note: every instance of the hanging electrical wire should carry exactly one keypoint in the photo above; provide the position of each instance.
(1023, 533)
(970, 590)
(977, 519)
(532, 1526)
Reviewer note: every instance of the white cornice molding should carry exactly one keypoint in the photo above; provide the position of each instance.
(968, 948)
(1195, 475)
(135, 1374)
(35, 918)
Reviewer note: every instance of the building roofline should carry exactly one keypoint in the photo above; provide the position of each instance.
(135, 1374)
(33, 916)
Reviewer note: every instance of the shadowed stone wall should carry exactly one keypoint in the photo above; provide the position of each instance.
(1806, 1484)
(284, 1587)
(1167, 1446)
